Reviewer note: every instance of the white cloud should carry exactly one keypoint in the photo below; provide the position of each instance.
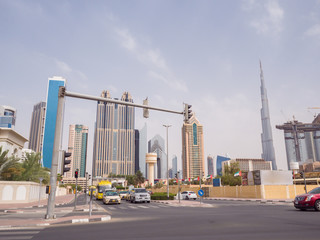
(314, 31)
(268, 17)
(152, 58)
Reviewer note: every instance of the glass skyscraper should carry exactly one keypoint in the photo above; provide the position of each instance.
(219, 162)
(7, 117)
(156, 145)
(77, 146)
(37, 127)
(192, 149)
(114, 143)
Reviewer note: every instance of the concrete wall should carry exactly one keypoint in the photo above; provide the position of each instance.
(256, 191)
(23, 192)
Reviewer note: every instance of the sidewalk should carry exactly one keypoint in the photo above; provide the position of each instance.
(30, 215)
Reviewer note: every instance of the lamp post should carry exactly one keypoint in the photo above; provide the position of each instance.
(40, 181)
(167, 126)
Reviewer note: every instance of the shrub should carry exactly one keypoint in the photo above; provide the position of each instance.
(162, 196)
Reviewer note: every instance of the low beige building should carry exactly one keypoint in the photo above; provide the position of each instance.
(12, 141)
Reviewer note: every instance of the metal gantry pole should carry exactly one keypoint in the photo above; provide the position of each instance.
(40, 191)
(167, 126)
(85, 192)
(178, 186)
(75, 196)
(55, 156)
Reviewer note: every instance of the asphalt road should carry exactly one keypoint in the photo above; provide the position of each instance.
(222, 220)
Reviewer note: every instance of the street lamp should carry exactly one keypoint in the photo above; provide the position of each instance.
(167, 126)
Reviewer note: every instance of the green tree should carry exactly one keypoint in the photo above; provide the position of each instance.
(10, 168)
(131, 180)
(139, 179)
(228, 177)
(33, 169)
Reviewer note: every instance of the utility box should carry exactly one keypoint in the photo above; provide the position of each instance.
(270, 177)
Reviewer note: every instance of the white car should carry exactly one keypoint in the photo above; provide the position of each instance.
(189, 195)
(111, 197)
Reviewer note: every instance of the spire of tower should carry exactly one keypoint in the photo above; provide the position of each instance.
(268, 153)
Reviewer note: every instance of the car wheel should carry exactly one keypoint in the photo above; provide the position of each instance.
(187, 198)
(194, 199)
(317, 205)
(148, 201)
(302, 209)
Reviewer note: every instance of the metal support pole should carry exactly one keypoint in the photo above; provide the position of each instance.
(167, 126)
(85, 192)
(90, 205)
(75, 196)
(178, 186)
(55, 156)
(305, 182)
(40, 191)
(200, 182)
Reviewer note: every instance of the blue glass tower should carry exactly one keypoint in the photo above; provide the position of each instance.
(50, 119)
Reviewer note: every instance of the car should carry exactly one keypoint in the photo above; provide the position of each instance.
(111, 197)
(139, 195)
(310, 200)
(123, 194)
(189, 195)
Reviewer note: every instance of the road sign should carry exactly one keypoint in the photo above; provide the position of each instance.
(200, 192)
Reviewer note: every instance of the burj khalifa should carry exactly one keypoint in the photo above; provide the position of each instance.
(268, 153)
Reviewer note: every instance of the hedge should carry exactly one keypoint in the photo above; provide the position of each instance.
(162, 196)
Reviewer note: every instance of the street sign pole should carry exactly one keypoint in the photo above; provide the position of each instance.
(178, 186)
(75, 196)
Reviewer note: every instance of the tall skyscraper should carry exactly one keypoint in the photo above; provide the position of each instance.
(50, 120)
(37, 127)
(136, 151)
(210, 165)
(174, 165)
(156, 145)
(7, 117)
(77, 146)
(114, 149)
(143, 147)
(192, 148)
(268, 153)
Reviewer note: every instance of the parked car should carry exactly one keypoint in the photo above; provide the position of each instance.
(308, 200)
(189, 195)
(139, 195)
(123, 194)
(111, 197)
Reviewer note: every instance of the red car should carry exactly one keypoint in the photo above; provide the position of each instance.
(308, 200)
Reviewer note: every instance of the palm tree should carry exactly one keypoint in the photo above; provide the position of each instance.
(33, 169)
(10, 168)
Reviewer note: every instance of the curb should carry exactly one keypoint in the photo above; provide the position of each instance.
(72, 221)
(253, 200)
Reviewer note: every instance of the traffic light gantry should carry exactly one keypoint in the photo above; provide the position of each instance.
(187, 112)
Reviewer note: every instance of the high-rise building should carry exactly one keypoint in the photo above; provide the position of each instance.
(77, 146)
(37, 127)
(114, 149)
(136, 151)
(156, 145)
(302, 141)
(210, 165)
(143, 147)
(219, 161)
(54, 84)
(268, 153)
(174, 165)
(192, 148)
(7, 117)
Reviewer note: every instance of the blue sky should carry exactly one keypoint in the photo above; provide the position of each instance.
(205, 53)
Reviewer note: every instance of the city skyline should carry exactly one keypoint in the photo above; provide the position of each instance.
(212, 64)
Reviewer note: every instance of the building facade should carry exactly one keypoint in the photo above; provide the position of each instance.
(268, 152)
(302, 141)
(156, 145)
(54, 84)
(136, 150)
(37, 127)
(12, 141)
(219, 162)
(143, 148)
(192, 149)
(77, 146)
(7, 117)
(210, 165)
(114, 148)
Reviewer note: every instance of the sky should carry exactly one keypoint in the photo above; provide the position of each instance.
(204, 53)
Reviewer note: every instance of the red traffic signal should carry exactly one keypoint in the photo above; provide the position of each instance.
(76, 174)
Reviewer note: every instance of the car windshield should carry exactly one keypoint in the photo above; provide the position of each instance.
(192, 192)
(315, 191)
(110, 194)
(140, 190)
(123, 192)
(102, 188)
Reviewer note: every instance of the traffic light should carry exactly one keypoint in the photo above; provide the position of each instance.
(301, 174)
(176, 175)
(145, 110)
(66, 161)
(76, 173)
(187, 112)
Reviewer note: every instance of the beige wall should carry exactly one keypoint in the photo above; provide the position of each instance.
(257, 191)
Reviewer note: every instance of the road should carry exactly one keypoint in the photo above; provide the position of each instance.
(221, 220)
